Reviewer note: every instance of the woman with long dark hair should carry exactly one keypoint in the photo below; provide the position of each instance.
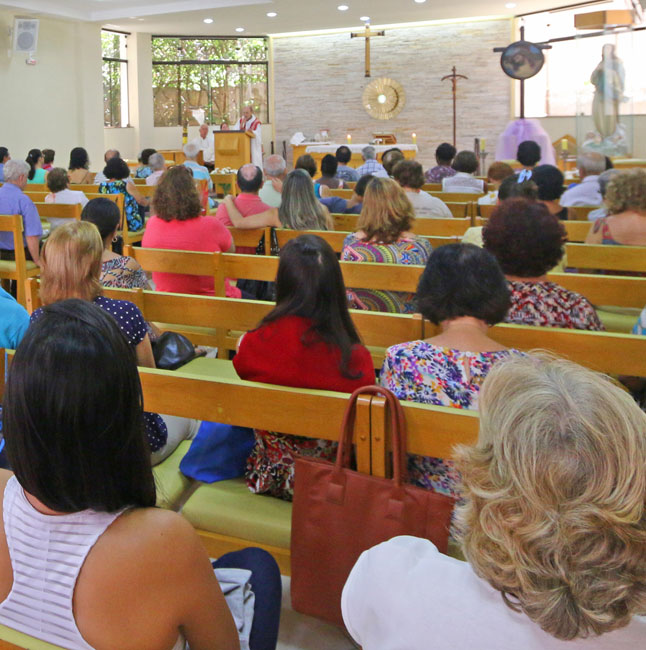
(86, 560)
(307, 341)
(35, 160)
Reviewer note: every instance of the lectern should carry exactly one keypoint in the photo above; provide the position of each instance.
(232, 149)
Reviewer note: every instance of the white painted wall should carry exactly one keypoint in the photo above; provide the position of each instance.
(57, 103)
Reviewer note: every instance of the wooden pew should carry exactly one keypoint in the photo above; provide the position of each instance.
(608, 258)
(581, 212)
(576, 231)
(59, 211)
(223, 319)
(219, 322)
(618, 291)
(426, 227)
(20, 269)
(225, 514)
(336, 239)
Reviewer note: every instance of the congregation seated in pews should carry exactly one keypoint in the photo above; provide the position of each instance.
(448, 327)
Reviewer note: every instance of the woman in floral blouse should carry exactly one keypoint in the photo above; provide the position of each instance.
(117, 271)
(463, 291)
(528, 241)
(384, 235)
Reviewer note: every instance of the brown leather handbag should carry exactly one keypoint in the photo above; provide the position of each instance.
(338, 513)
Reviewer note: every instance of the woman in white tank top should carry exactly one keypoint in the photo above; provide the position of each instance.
(86, 560)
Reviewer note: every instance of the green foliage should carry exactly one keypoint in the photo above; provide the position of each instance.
(220, 89)
(114, 73)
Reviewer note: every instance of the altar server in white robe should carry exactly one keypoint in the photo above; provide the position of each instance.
(249, 122)
(204, 142)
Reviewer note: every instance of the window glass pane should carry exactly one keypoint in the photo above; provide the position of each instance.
(184, 92)
(111, 93)
(166, 49)
(563, 87)
(115, 79)
(110, 44)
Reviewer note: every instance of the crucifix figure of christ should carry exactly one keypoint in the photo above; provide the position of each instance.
(454, 82)
(368, 34)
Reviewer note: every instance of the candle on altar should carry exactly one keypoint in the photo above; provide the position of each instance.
(482, 144)
(564, 144)
(414, 138)
(349, 139)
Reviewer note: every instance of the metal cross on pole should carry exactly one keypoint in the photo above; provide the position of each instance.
(368, 34)
(454, 81)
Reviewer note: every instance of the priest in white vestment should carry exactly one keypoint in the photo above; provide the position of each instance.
(249, 122)
(204, 142)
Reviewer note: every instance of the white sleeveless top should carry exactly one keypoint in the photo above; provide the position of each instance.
(47, 553)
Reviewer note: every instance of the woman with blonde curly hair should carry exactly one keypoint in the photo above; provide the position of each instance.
(554, 528)
(626, 203)
(383, 235)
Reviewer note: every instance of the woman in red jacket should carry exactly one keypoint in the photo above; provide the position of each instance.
(307, 341)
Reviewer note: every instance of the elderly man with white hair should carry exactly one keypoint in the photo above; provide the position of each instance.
(14, 201)
(371, 165)
(157, 163)
(590, 164)
(191, 151)
(204, 143)
(275, 169)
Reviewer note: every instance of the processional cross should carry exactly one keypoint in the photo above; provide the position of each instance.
(454, 81)
(367, 35)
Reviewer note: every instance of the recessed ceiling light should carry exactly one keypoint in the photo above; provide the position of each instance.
(365, 19)
(208, 21)
(343, 7)
(420, 1)
(510, 5)
(271, 14)
(239, 29)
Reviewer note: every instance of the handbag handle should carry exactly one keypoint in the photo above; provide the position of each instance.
(397, 427)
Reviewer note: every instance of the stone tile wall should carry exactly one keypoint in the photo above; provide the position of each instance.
(319, 82)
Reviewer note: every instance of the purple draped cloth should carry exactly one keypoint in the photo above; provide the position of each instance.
(518, 131)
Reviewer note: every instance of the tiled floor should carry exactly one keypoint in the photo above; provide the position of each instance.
(299, 632)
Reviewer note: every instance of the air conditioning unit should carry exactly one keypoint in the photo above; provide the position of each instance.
(25, 35)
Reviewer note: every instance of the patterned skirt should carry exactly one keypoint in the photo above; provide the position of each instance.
(270, 467)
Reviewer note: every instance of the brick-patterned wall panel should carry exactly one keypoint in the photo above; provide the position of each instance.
(319, 82)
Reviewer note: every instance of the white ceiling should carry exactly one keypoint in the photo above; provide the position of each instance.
(184, 17)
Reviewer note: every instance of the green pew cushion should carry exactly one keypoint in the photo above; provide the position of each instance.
(616, 321)
(24, 640)
(229, 508)
(171, 483)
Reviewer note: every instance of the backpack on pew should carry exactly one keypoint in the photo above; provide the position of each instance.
(338, 513)
(261, 289)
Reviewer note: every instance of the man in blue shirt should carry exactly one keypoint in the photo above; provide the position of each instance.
(14, 321)
(14, 201)
(371, 165)
(4, 157)
(337, 205)
(343, 171)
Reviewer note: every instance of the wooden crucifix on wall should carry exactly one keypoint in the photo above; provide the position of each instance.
(368, 34)
(454, 76)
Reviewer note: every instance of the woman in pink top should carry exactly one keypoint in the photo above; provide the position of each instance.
(177, 225)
